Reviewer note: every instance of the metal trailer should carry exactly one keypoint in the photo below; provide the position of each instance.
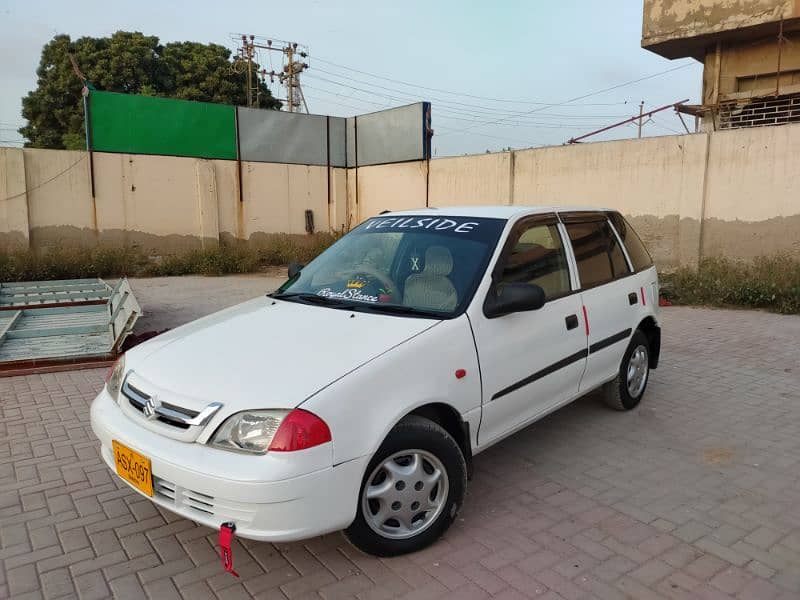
(76, 324)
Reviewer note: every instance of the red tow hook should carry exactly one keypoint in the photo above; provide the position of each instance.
(226, 533)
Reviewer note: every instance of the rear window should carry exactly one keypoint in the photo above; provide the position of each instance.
(639, 255)
(597, 252)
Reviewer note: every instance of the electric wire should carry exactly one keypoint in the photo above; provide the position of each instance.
(527, 143)
(445, 128)
(446, 115)
(444, 91)
(459, 110)
(457, 113)
(478, 118)
(588, 95)
(666, 127)
(472, 106)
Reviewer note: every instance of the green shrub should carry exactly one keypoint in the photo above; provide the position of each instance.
(69, 263)
(770, 282)
(73, 263)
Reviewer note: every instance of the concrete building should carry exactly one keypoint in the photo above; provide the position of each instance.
(750, 50)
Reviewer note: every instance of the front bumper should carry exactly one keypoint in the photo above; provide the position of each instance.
(280, 496)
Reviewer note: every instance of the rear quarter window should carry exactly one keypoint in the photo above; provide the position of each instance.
(597, 253)
(637, 251)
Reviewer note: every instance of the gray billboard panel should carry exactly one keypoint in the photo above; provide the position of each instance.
(350, 130)
(394, 135)
(338, 141)
(282, 137)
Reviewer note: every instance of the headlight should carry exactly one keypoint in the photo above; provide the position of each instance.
(114, 378)
(251, 431)
(257, 431)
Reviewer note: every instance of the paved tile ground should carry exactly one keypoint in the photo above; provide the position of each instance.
(696, 494)
(172, 301)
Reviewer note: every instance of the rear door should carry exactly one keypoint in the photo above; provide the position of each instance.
(530, 361)
(609, 293)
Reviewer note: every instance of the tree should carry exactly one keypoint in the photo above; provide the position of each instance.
(131, 63)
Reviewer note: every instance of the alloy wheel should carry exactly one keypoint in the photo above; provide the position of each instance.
(405, 494)
(637, 371)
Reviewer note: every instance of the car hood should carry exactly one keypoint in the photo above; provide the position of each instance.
(264, 353)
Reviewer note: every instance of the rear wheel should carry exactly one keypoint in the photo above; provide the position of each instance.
(626, 390)
(411, 491)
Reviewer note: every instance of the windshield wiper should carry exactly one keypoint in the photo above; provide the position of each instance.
(395, 309)
(310, 298)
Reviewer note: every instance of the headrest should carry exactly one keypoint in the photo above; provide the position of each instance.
(438, 261)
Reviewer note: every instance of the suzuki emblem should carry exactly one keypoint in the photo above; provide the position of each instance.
(149, 409)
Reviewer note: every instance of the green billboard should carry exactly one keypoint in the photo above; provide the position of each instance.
(149, 125)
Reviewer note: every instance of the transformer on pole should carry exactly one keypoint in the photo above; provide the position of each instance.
(294, 63)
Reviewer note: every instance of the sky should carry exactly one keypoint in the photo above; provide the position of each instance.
(506, 73)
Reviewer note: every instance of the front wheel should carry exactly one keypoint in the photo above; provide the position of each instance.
(411, 491)
(627, 389)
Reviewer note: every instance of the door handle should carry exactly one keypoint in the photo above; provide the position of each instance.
(571, 321)
(633, 298)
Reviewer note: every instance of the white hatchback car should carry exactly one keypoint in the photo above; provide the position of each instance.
(356, 395)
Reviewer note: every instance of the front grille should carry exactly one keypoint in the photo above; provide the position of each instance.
(163, 488)
(137, 392)
(199, 502)
(137, 399)
(189, 501)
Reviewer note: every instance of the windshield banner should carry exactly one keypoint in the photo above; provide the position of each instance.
(474, 228)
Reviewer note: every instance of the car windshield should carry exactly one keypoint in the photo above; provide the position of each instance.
(410, 265)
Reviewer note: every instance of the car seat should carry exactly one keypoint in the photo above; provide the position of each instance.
(432, 289)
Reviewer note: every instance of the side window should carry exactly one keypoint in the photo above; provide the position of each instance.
(639, 255)
(597, 252)
(538, 257)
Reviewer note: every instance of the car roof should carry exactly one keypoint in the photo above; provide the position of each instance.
(497, 211)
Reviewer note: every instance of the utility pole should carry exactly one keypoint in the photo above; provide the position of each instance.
(246, 54)
(288, 76)
(641, 114)
(249, 48)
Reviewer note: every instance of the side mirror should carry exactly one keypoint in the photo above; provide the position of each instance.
(294, 269)
(514, 297)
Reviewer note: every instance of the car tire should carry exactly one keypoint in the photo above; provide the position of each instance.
(411, 491)
(626, 390)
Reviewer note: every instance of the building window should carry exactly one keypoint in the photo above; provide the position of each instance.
(760, 112)
(767, 82)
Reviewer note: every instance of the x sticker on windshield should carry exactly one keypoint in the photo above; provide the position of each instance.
(415, 263)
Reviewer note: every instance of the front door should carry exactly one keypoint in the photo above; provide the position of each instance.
(530, 361)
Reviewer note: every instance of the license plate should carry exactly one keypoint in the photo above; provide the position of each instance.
(133, 468)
